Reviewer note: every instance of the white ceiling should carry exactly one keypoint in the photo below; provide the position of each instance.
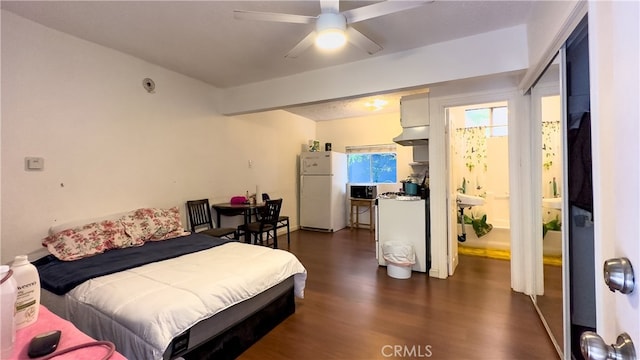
(201, 39)
(349, 108)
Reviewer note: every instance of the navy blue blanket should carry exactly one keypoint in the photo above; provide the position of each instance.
(61, 276)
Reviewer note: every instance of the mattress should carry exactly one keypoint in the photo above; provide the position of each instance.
(214, 328)
(143, 309)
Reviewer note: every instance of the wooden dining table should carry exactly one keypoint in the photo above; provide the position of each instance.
(247, 210)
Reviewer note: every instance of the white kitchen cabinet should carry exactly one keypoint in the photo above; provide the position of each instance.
(414, 110)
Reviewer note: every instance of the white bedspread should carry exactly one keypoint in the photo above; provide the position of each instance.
(147, 306)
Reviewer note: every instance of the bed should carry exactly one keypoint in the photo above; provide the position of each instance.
(191, 297)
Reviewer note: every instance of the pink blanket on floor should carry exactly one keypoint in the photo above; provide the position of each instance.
(71, 336)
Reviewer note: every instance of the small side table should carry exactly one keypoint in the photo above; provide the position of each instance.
(71, 336)
(356, 204)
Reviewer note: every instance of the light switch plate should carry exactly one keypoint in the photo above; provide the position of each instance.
(34, 163)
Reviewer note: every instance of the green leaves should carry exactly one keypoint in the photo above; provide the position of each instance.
(480, 225)
(554, 224)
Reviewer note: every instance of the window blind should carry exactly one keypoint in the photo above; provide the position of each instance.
(370, 149)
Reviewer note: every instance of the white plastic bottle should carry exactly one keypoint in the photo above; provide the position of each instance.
(28, 302)
(8, 293)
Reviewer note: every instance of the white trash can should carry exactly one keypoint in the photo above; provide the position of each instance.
(400, 258)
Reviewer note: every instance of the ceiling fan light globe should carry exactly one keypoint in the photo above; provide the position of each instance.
(331, 39)
(331, 31)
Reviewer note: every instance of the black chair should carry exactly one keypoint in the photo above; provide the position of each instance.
(200, 216)
(266, 224)
(283, 221)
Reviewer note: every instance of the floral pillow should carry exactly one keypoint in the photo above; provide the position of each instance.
(151, 224)
(88, 240)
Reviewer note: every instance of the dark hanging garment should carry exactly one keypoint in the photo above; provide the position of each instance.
(580, 181)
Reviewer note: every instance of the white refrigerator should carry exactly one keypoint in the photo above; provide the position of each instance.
(323, 178)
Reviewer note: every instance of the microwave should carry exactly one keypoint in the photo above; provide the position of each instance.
(364, 191)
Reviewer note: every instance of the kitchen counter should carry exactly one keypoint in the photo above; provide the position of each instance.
(404, 219)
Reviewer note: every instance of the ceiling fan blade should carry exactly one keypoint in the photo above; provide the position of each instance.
(276, 17)
(360, 40)
(330, 6)
(303, 45)
(380, 9)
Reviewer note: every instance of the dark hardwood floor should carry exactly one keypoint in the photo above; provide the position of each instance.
(353, 310)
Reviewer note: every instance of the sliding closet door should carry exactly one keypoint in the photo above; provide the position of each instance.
(579, 215)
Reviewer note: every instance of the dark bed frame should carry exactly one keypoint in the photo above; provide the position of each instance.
(229, 333)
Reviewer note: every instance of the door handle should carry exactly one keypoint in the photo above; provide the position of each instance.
(618, 275)
(594, 348)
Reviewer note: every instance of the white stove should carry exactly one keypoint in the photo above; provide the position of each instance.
(408, 198)
(399, 196)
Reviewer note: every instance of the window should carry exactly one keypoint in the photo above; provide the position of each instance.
(494, 119)
(371, 164)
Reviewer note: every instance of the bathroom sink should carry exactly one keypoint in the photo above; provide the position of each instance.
(552, 203)
(464, 200)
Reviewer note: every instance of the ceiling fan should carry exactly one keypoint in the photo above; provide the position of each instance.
(332, 26)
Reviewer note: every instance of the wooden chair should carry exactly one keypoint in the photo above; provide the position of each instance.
(266, 224)
(200, 216)
(283, 221)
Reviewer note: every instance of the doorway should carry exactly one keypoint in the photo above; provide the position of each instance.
(478, 162)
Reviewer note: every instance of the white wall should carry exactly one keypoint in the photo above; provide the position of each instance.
(109, 146)
(549, 25)
(493, 52)
(546, 18)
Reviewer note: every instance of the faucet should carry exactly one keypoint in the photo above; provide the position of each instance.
(463, 189)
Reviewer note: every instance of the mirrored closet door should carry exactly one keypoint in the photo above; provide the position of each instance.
(547, 110)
